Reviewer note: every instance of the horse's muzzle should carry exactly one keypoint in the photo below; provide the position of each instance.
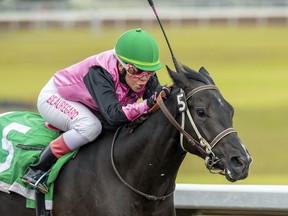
(238, 168)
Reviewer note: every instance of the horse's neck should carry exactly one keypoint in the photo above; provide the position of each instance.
(151, 156)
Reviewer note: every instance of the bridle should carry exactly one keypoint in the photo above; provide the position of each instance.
(202, 145)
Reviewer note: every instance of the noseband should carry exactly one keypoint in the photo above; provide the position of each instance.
(202, 145)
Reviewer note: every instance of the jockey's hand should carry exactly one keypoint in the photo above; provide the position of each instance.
(152, 100)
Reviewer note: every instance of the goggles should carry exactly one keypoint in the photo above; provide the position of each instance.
(134, 71)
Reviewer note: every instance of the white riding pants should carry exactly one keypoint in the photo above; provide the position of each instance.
(79, 123)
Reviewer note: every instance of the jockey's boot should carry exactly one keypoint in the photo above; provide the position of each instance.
(36, 174)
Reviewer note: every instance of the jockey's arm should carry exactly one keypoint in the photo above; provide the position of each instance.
(101, 86)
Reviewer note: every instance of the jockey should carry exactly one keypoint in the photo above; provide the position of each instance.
(109, 83)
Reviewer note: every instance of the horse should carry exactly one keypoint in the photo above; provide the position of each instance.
(133, 171)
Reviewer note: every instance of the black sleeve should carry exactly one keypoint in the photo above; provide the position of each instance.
(152, 84)
(101, 86)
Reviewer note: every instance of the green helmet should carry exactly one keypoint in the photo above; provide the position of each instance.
(139, 48)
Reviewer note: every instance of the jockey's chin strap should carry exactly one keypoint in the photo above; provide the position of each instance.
(202, 145)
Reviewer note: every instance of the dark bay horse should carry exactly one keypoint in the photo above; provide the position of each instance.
(134, 173)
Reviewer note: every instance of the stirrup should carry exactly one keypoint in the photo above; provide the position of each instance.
(35, 186)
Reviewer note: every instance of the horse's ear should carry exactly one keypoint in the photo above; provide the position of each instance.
(205, 73)
(170, 72)
(179, 79)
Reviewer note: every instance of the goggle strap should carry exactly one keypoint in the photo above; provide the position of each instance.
(127, 67)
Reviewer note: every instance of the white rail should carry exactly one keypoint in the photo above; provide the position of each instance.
(232, 198)
(96, 18)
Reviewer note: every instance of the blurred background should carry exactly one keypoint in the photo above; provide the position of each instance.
(242, 43)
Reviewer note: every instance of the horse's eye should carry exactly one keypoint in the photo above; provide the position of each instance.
(201, 113)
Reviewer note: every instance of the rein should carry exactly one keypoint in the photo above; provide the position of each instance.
(202, 145)
(147, 196)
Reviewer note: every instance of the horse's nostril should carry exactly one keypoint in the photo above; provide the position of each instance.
(238, 163)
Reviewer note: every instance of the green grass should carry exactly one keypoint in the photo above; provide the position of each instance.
(248, 64)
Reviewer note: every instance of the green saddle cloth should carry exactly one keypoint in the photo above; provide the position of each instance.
(29, 129)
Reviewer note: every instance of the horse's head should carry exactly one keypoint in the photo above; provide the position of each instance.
(208, 123)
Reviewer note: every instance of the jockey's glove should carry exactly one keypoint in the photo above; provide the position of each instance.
(152, 100)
